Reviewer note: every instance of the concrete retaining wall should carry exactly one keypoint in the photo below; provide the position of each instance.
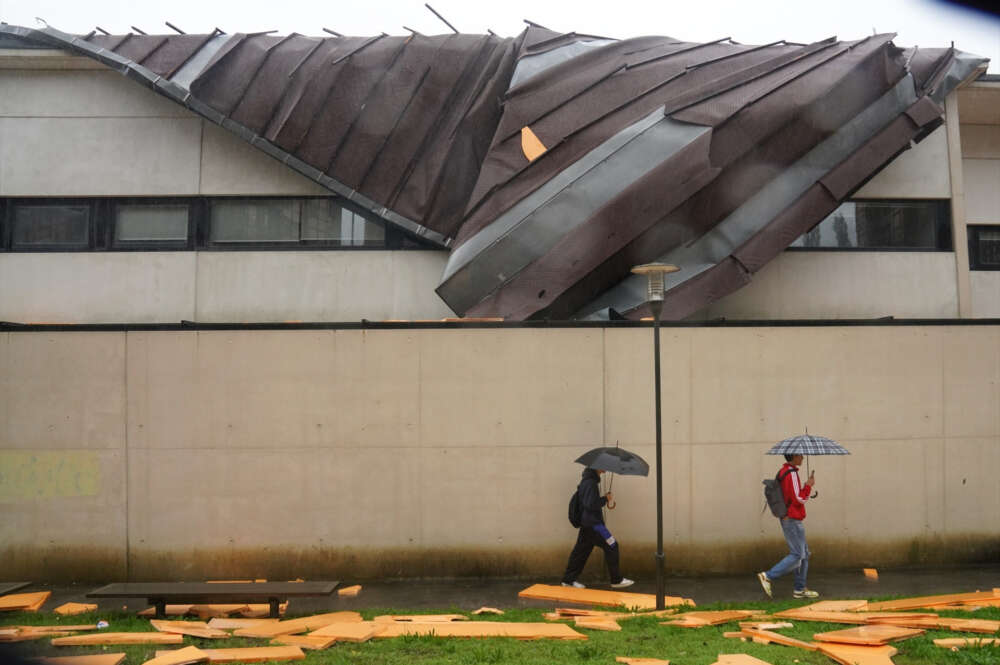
(349, 453)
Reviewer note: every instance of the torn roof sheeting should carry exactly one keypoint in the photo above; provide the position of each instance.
(553, 163)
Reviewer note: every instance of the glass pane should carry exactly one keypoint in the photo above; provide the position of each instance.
(989, 248)
(266, 220)
(882, 225)
(356, 231)
(151, 222)
(51, 225)
(320, 220)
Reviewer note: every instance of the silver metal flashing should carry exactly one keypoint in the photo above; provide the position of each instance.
(532, 65)
(196, 63)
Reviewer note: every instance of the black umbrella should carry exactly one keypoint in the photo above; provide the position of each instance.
(615, 460)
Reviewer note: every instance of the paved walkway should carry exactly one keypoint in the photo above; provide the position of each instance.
(466, 595)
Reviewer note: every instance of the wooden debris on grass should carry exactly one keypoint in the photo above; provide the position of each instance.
(701, 619)
(185, 656)
(350, 591)
(934, 601)
(169, 610)
(420, 618)
(946, 623)
(301, 625)
(641, 661)
(306, 641)
(487, 610)
(250, 654)
(96, 659)
(766, 625)
(739, 659)
(767, 637)
(645, 601)
(224, 623)
(355, 631)
(261, 610)
(217, 610)
(955, 643)
(27, 633)
(871, 574)
(874, 635)
(192, 628)
(562, 613)
(852, 654)
(24, 602)
(836, 606)
(597, 623)
(517, 630)
(118, 638)
(857, 618)
(70, 609)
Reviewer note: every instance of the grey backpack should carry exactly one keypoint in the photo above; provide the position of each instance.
(774, 496)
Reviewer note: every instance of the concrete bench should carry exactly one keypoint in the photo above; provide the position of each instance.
(159, 594)
(11, 587)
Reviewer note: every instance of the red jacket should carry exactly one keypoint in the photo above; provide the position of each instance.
(796, 494)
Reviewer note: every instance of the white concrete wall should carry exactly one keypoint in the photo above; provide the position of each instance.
(918, 173)
(341, 452)
(846, 285)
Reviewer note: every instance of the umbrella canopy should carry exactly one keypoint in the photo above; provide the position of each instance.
(808, 444)
(615, 460)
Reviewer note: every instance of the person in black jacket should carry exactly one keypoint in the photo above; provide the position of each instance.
(593, 532)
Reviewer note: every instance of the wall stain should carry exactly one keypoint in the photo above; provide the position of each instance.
(82, 563)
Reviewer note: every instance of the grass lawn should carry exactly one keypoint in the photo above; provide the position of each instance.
(640, 637)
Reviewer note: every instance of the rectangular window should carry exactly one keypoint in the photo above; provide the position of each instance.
(883, 225)
(320, 221)
(143, 224)
(984, 247)
(50, 225)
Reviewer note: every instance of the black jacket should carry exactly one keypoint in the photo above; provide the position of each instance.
(591, 499)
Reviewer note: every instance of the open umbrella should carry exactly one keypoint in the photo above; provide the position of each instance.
(808, 444)
(615, 460)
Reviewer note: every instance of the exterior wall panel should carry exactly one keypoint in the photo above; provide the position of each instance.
(918, 173)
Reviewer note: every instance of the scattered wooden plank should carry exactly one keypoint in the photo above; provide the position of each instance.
(118, 638)
(259, 610)
(873, 635)
(700, 619)
(26, 634)
(871, 574)
(487, 610)
(293, 626)
(644, 601)
(955, 643)
(947, 623)
(24, 602)
(169, 610)
(350, 591)
(766, 625)
(517, 630)
(836, 606)
(852, 654)
(251, 654)
(641, 661)
(932, 601)
(96, 659)
(185, 656)
(597, 623)
(192, 628)
(306, 641)
(71, 609)
(356, 631)
(58, 628)
(219, 610)
(420, 618)
(225, 623)
(739, 659)
(768, 636)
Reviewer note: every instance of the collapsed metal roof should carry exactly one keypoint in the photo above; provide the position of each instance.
(552, 163)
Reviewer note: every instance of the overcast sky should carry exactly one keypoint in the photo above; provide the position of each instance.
(927, 23)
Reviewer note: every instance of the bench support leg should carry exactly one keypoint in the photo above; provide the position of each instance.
(161, 607)
(273, 602)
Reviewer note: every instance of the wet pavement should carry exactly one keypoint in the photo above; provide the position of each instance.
(467, 595)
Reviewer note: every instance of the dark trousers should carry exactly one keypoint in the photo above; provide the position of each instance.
(586, 540)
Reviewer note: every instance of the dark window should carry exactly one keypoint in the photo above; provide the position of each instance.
(883, 225)
(144, 224)
(50, 225)
(984, 247)
(321, 221)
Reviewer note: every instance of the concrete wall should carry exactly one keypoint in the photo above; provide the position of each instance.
(918, 173)
(401, 453)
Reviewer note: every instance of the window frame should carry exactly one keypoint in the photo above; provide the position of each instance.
(7, 223)
(972, 232)
(111, 216)
(943, 231)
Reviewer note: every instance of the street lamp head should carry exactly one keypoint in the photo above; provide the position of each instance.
(654, 273)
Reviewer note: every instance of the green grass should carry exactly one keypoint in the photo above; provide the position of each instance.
(640, 637)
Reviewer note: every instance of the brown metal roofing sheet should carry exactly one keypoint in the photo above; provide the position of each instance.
(139, 47)
(270, 86)
(170, 57)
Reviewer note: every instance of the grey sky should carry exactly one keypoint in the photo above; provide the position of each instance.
(924, 23)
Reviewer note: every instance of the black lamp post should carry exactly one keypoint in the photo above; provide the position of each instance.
(654, 273)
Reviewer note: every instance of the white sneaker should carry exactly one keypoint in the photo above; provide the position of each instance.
(624, 583)
(805, 593)
(575, 585)
(765, 583)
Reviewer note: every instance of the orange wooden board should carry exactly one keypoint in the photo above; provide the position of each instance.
(963, 642)
(185, 656)
(597, 623)
(932, 601)
(27, 602)
(192, 628)
(225, 623)
(305, 641)
(767, 636)
(259, 610)
(353, 631)
(641, 661)
(349, 591)
(836, 606)
(852, 654)
(739, 659)
(26, 634)
(521, 631)
(169, 610)
(699, 619)
(947, 623)
(70, 609)
(645, 601)
(219, 610)
(301, 625)
(118, 638)
(487, 610)
(251, 654)
(420, 618)
(96, 659)
(874, 635)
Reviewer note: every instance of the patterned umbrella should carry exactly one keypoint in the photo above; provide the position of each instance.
(808, 444)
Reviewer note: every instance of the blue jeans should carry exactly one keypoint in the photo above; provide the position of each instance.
(798, 554)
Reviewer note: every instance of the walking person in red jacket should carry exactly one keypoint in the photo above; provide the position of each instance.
(796, 494)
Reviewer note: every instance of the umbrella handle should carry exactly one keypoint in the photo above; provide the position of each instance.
(611, 506)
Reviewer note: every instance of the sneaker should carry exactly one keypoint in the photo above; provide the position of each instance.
(766, 584)
(622, 584)
(575, 585)
(805, 593)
